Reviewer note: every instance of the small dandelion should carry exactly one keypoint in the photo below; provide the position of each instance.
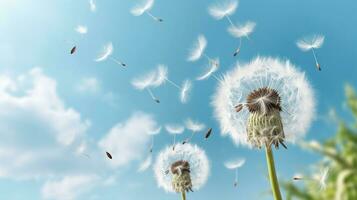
(139, 10)
(183, 170)
(92, 5)
(194, 127)
(234, 165)
(153, 133)
(106, 53)
(312, 43)
(198, 50)
(220, 11)
(280, 107)
(185, 91)
(241, 31)
(174, 129)
(81, 29)
(145, 164)
(321, 178)
(212, 68)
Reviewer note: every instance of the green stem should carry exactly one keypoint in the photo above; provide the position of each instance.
(183, 195)
(272, 174)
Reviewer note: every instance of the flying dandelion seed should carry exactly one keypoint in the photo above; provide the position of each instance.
(198, 50)
(220, 11)
(73, 50)
(241, 31)
(208, 133)
(312, 43)
(147, 82)
(280, 106)
(212, 68)
(92, 5)
(139, 10)
(174, 129)
(194, 127)
(234, 165)
(185, 91)
(145, 164)
(109, 155)
(81, 29)
(106, 54)
(152, 133)
(185, 169)
(320, 178)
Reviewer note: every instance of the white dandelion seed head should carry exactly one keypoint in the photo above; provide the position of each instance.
(297, 98)
(194, 126)
(142, 8)
(145, 164)
(106, 52)
(242, 30)
(174, 129)
(213, 66)
(220, 10)
(235, 163)
(185, 91)
(195, 156)
(161, 75)
(81, 29)
(155, 131)
(311, 42)
(198, 49)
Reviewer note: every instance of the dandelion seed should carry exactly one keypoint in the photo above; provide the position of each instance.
(280, 106)
(109, 155)
(323, 178)
(312, 43)
(208, 133)
(82, 29)
(92, 5)
(139, 10)
(212, 68)
(185, 91)
(148, 81)
(234, 165)
(73, 50)
(241, 31)
(194, 127)
(152, 133)
(198, 50)
(174, 129)
(187, 169)
(106, 53)
(145, 164)
(220, 11)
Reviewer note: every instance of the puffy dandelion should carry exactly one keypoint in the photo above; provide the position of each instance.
(106, 53)
(220, 11)
(183, 170)
(280, 106)
(81, 29)
(174, 129)
(139, 10)
(234, 165)
(312, 43)
(211, 69)
(152, 133)
(198, 50)
(194, 127)
(92, 5)
(145, 164)
(241, 31)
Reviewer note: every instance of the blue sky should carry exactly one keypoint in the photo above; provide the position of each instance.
(42, 105)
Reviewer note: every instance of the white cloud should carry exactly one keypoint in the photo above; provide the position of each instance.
(82, 29)
(89, 85)
(129, 140)
(69, 187)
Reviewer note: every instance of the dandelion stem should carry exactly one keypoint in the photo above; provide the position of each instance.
(272, 174)
(229, 20)
(183, 195)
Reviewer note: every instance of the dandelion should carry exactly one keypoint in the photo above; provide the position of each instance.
(152, 133)
(312, 43)
(81, 29)
(92, 5)
(194, 127)
(212, 68)
(241, 31)
(185, 91)
(145, 164)
(147, 82)
(187, 169)
(106, 53)
(320, 178)
(234, 165)
(220, 11)
(174, 129)
(198, 50)
(139, 10)
(280, 106)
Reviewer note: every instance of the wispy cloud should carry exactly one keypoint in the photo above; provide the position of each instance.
(89, 85)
